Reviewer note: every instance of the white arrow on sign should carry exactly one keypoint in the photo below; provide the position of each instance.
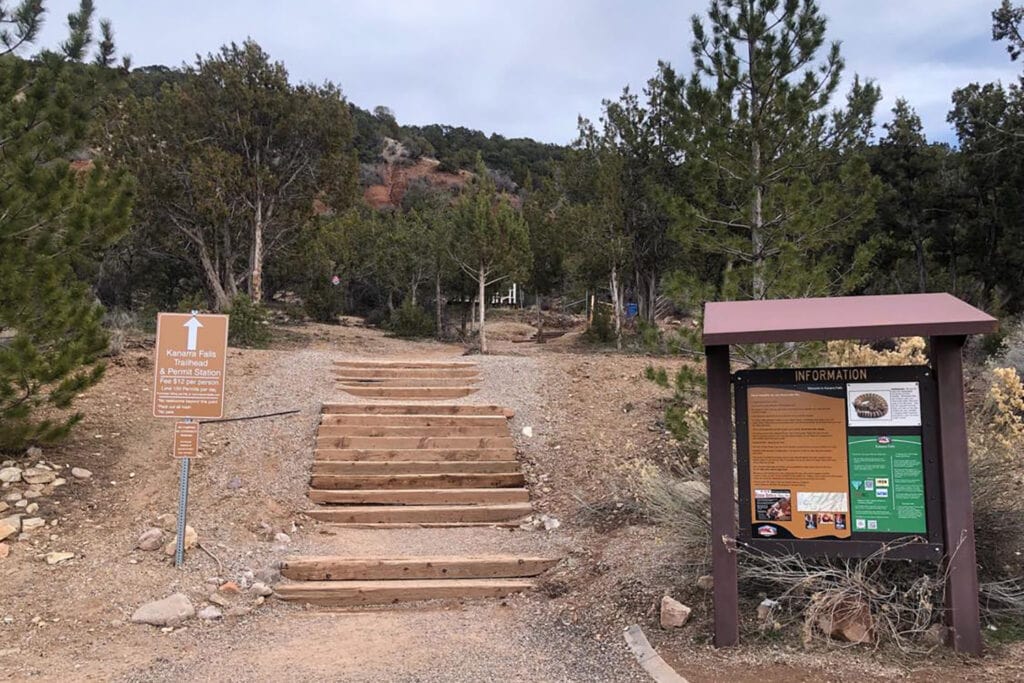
(193, 326)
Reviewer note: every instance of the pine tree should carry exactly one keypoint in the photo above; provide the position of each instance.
(490, 240)
(778, 173)
(55, 219)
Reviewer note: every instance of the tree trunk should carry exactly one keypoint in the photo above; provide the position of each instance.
(617, 307)
(922, 271)
(757, 244)
(412, 292)
(482, 276)
(652, 293)
(391, 301)
(221, 300)
(256, 262)
(438, 306)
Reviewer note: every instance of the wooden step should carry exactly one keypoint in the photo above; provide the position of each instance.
(407, 364)
(346, 382)
(403, 442)
(355, 593)
(447, 496)
(413, 409)
(416, 481)
(416, 420)
(421, 373)
(331, 568)
(416, 454)
(424, 393)
(421, 514)
(383, 430)
(414, 467)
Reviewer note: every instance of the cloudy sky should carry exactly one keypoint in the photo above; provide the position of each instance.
(528, 68)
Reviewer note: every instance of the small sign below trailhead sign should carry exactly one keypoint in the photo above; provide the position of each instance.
(186, 440)
(191, 350)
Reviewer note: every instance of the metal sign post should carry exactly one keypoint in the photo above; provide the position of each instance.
(179, 548)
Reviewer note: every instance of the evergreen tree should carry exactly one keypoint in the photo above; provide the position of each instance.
(779, 179)
(55, 219)
(490, 240)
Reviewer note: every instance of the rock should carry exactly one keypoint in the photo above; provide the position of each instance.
(191, 540)
(13, 520)
(673, 613)
(150, 539)
(239, 611)
(282, 537)
(210, 613)
(167, 522)
(9, 475)
(13, 497)
(32, 508)
(706, 582)
(550, 523)
(33, 494)
(765, 609)
(34, 452)
(269, 576)
(59, 481)
(262, 589)
(850, 620)
(80, 473)
(218, 599)
(935, 635)
(528, 432)
(57, 558)
(21, 503)
(32, 523)
(230, 587)
(235, 483)
(4, 506)
(170, 611)
(37, 475)
(5, 550)
(7, 530)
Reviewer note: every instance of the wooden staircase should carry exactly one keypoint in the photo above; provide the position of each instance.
(388, 465)
(406, 380)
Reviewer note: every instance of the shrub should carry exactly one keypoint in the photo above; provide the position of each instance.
(601, 329)
(907, 351)
(248, 325)
(649, 336)
(410, 321)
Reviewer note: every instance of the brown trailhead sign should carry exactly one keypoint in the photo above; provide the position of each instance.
(189, 368)
(186, 440)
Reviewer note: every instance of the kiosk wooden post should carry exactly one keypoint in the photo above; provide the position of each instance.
(943, 318)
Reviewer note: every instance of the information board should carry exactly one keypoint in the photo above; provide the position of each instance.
(189, 366)
(839, 455)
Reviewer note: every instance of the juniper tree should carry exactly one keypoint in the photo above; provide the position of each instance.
(776, 166)
(54, 220)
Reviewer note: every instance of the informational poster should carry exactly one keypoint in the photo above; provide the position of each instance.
(887, 484)
(833, 453)
(798, 471)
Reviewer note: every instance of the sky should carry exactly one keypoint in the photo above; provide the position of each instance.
(529, 68)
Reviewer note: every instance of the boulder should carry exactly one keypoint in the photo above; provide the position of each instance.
(9, 475)
(673, 613)
(38, 475)
(170, 611)
(850, 620)
(80, 473)
(191, 540)
(150, 539)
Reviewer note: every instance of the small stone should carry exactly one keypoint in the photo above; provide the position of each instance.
(218, 599)
(282, 537)
(550, 523)
(673, 613)
(34, 452)
(230, 587)
(706, 582)
(37, 475)
(528, 432)
(10, 475)
(935, 635)
(849, 620)
(269, 576)
(765, 609)
(260, 600)
(59, 481)
(150, 539)
(13, 497)
(32, 508)
(4, 506)
(33, 494)
(235, 483)
(262, 589)
(32, 523)
(167, 522)
(21, 503)
(210, 613)
(57, 558)
(80, 473)
(7, 530)
(239, 611)
(191, 540)
(170, 611)
(5, 550)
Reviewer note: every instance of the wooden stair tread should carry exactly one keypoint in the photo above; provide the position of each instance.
(413, 409)
(418, 514)
(422, 496)
(411, 481)
(415, 466)
(404, 442)
(336, 568)
(418, 364)
(354, 593)
(426, 420)
(410, 382)
(414, 454)
(424, 393)
(415, 430)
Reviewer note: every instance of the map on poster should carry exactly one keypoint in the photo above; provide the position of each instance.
(883, 404)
